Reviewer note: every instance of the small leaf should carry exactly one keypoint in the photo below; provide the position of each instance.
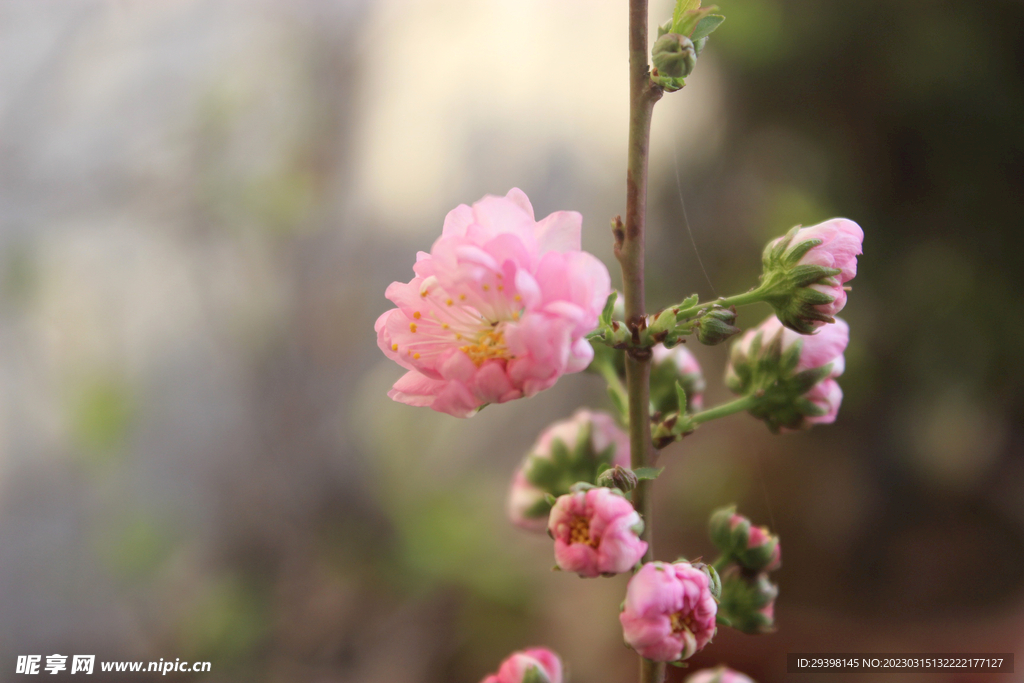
(683, 6)
(706, 26)
(551, 500)
(609, 306)
(648, 473)
(681, 397)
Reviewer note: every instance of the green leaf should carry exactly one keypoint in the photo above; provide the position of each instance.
(609, 306)
(681, 397)
(648, 473)
(706, 26)
(683, 6)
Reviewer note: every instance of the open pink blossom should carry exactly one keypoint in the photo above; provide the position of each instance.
(533, 665)
(498, 309)
(526, 506)
(825, 347)
(669, 613)
(596, 532)
(719, 674)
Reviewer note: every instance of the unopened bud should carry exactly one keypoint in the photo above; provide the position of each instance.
(618, 477)
(715, 326)
(748, 601)
(754, 548)
(674, 56)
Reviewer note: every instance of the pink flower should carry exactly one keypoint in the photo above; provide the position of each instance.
(719, 674)
(685, 369)
(802, 298)
(526, 501)
(543, 664)
(498, 309)
(669, 611)
(596, 532)
(824, 348)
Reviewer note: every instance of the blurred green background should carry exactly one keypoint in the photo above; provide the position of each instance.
(201, 204)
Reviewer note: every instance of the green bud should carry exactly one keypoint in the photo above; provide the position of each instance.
(674, 56)
(748, 601)
(618, 477)
(716, 325)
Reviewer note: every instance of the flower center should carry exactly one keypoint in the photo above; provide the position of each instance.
(489, 345)
(579, 532)
(681, 621)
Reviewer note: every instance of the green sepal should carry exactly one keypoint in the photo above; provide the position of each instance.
(535, 674)
(680, 397)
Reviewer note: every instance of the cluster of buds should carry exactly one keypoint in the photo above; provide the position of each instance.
(533, 665)
(748, 554)
(805, 272)
(789, 376)
(567, 452)
(712, 324)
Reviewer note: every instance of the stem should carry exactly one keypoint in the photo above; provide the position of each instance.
(738, 405)
(751, 297)
(629, 249)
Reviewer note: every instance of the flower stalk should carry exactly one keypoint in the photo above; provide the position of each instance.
(629, 250)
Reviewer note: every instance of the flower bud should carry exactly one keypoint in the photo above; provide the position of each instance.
(791, 375)
(533, 665)
(754, 548)
(668, 367)
(618, 477)
(596, 532)
(719, 674)
(805, 270)
(748, 601)
(669, 611)
(716, 326)
(674, 56)
(567, 452)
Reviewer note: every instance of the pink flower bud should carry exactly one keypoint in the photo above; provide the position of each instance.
(498, 309)
(669, 611)
(533, 665)
(842, 241)
(794, 404)
(720, 674)
(670, 366)
(608, 443)
(596, 532)
(763, 551)
(804, 281)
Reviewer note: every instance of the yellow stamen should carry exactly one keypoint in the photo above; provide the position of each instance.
(490, 345)
(487, 288)
(394, 347)
(412, 327)
(444, 326)
(449, 302)
(681, 622)
(416, 315)
(462, 297)
(579, 532)
(416, 356)
(517, 297)
(424, 293)
(501, 288)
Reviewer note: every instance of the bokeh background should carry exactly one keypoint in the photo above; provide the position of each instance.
(201, 204)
